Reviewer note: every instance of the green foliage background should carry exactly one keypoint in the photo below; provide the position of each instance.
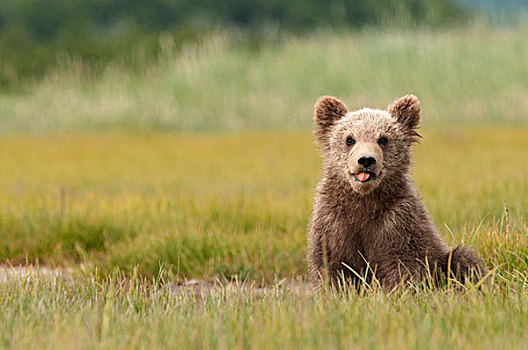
(38, 34)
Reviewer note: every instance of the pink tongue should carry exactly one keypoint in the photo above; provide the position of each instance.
(362, 176)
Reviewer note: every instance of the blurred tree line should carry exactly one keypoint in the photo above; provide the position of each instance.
(38, 34)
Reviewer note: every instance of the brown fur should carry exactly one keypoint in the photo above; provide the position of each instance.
(381, 223)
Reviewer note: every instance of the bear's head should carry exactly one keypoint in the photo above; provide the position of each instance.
(367, 147)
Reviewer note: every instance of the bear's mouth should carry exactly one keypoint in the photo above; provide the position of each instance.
(364, 176)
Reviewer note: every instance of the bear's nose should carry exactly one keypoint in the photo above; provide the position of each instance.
(366, 162)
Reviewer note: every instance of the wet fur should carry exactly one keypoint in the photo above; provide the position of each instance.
(384, 224)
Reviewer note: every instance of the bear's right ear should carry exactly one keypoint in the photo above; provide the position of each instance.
(406, 110)
(328, 110)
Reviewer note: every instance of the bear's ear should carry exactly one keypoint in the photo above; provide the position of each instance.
(328, 110)
(406, 110)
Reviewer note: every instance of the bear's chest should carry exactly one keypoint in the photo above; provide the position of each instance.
(354, 237)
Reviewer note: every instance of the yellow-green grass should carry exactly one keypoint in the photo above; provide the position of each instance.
(235, 205)
(471, 74)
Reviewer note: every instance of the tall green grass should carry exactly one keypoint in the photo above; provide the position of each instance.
(117, 313)
(463, 75)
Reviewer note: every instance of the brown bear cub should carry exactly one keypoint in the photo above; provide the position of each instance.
(367, 215)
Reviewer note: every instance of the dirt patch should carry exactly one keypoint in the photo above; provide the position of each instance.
(287, 286)
(193, 286)
(9, 273)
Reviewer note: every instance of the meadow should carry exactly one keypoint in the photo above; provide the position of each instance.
(202, 166)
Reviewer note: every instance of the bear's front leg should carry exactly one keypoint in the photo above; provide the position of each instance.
(390, 273)
(318, 255)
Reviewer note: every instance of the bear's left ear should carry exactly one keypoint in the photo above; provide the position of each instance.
(406, 110)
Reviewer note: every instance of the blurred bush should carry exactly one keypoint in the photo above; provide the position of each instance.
(38, 34)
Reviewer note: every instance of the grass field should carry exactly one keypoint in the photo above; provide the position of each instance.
(234, 208)
(101, 176)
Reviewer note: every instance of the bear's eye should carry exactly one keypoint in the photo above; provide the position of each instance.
(350, 141)
(383, 141)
